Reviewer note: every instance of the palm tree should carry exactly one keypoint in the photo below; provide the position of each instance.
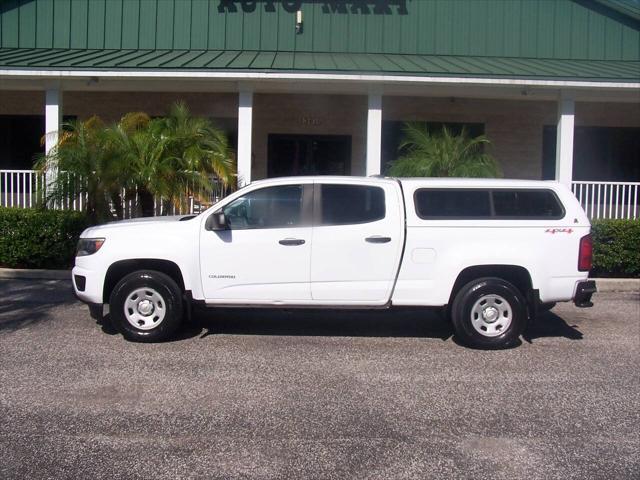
(173, 157)
(141, 157)
(83, 168)
(198, 151)
(442, 154)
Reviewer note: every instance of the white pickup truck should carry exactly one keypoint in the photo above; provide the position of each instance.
(491, 252)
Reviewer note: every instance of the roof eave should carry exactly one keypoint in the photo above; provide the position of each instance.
(346, 76)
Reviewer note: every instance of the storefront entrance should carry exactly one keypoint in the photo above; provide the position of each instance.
(291, 155)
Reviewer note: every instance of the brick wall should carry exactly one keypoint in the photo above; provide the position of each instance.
(110, 106)
(21, 103)
(594, 114)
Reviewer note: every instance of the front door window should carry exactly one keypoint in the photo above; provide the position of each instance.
(274, 207)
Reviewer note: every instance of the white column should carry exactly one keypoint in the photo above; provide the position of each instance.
(374, 135)
(245, 117)
(52, 117)
(564, 139)
(52, 127)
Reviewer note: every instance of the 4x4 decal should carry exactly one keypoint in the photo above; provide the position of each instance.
(558, 230)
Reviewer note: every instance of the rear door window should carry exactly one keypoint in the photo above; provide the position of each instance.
(350, 204)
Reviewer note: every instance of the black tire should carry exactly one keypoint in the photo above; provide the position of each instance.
(504, 307)
(165, 298)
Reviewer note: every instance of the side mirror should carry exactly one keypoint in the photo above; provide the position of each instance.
(217, 221)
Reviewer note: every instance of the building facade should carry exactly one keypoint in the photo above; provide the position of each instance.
(324, 86)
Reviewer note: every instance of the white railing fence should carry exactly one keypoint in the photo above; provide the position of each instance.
(608, 199)
(28, 188)
(20, 188)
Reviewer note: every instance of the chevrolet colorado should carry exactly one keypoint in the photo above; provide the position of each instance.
(491, 252)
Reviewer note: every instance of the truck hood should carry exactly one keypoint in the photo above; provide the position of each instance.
(165, 218)
(133, 223)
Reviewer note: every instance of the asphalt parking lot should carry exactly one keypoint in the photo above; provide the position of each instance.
(300, 394)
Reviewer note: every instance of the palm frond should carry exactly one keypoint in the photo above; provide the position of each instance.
(133, 121)
(442, 154)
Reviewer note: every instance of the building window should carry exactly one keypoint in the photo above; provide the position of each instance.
(20, 141)
(292, 155)
(599, 154)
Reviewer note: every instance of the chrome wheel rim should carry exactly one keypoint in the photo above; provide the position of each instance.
(144, 308)
(491, 315)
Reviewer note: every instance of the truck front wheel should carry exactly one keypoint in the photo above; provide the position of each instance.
(146, 306)
(489, 313)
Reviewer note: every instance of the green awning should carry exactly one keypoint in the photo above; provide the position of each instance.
(353, 63)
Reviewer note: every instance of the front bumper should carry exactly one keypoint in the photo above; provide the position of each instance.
(584, 291)
(86, 285)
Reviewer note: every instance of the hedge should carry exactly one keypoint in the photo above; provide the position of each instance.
(34, 238)
(616, 248)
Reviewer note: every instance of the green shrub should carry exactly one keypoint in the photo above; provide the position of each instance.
(35, 238)
(616, 248)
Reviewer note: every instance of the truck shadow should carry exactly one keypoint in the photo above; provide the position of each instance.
(549, 324)
(397, 322)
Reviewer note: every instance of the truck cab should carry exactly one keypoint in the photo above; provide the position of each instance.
(334, 241)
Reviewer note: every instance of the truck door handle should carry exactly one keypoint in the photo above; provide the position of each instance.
(377, 239)
(291, 241)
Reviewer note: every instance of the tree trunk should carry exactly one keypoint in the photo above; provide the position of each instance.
(92, 212)
(146, 203)
(167, 206)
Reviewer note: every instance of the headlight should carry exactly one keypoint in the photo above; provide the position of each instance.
(88, 246)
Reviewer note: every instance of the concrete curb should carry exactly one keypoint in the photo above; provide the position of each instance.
(34, 274)
(617, 284)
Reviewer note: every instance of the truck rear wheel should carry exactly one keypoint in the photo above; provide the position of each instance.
(489, 313)
(146, 306)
